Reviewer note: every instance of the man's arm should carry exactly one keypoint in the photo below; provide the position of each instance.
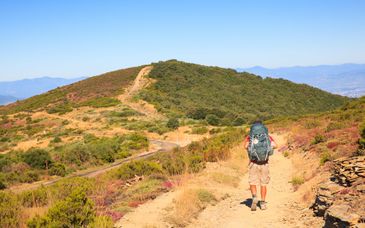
(273, 143)
(246, 142)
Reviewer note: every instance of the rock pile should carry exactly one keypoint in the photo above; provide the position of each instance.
(341, 202)
(349, 170)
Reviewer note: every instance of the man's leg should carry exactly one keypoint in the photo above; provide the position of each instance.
(253, 190)
(265, 178)
(254, 180)
(263, 192)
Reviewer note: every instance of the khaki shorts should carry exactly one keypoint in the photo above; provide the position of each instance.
(258, 174)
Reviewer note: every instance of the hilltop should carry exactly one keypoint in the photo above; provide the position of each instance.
(198, 91)
(180, 89)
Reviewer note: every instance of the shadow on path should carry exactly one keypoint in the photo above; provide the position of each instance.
(247, 202)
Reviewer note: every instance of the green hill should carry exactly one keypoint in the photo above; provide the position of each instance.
(199, 91)
(222, 96)
(83, 92)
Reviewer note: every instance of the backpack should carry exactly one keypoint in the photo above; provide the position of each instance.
(259, 147)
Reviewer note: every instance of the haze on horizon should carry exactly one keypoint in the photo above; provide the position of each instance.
(82, 38)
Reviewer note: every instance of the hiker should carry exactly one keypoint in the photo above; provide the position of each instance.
(260, 145)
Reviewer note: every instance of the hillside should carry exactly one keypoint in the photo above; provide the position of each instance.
(196, 91)
(105, 85)
(344, 79)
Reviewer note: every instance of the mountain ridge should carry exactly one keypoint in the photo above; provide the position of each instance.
(345, 79)
(28, 87)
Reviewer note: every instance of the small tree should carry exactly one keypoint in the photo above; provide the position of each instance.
(173, 123)
(212, 119)
(38, 158)
(77, 210)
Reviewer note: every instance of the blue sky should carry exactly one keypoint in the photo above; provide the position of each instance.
(89, 37)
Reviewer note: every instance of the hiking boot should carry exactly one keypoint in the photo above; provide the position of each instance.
(263, 205)
(254, 203)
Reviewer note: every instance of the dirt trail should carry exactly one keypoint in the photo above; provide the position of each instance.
(141, 106)
(284, 209)
(158, 146)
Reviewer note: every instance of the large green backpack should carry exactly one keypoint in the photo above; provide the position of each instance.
(259, 147)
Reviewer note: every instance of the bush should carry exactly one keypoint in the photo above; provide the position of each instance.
(318, 139)
(10, 210)
(56, 139)
(173, 123)
(60, 109)
(325, 157)
(139, 168)
(309, 124)
(101, 102)
(238, 121)
(58, 169)
(212, 119)
(205, 196)
(77, 210)
(75, 153)
(296, 181)
(102, 222)
(334, 126)
(2, 185)
(34, 198)
(38, 158)
(199, 130)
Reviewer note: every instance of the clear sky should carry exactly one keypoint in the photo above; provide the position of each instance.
(71, 38)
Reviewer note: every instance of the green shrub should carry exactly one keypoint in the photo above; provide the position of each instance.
(239, 121)
(139, 168)
(2, 185)
(318, 139)
(34, 198)
(334, 126)
(205, 196)
(101, 102)
(75, 153)
(296, 181)
(325, 157)
(212, 119)
(199, 130)
(38, 158)
(172, 163)
(195, 162)
(58, 169)
(60, 109)
(102, 222)
(56, 139)
(10, 210)
(76, 210)
(173, 123)
(311, 123)
(65, 187)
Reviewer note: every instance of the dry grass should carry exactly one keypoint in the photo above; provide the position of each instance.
(189, 204)
(225, 179)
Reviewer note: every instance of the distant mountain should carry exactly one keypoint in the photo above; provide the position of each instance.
(21, 89)
(345, 79)
(7, 99)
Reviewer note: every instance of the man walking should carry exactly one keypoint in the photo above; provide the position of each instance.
(259, 145)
